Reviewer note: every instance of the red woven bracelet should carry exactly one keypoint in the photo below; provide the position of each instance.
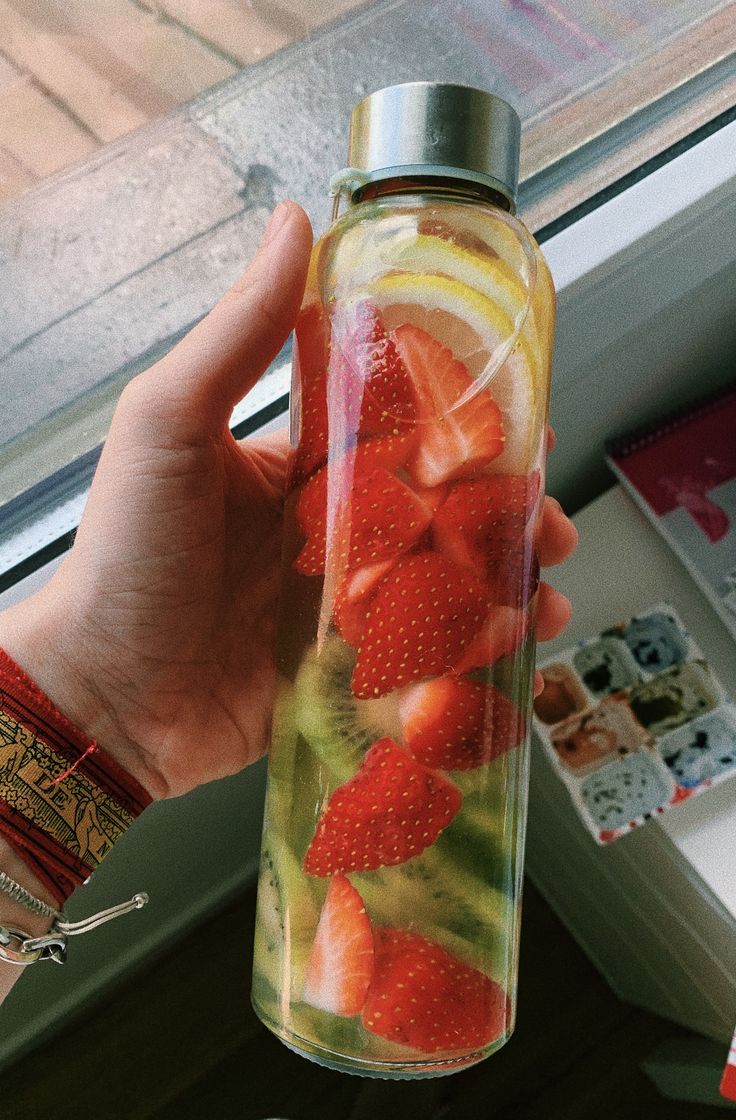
(64, 802)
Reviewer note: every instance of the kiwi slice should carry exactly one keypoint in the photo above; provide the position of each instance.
(269, 914)
(480, 836)
(446, 903)
(287, 912)
(283, 735)
(339, 728)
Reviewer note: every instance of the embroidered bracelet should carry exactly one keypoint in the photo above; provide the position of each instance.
(64, 802)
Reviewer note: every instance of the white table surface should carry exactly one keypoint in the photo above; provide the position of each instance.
(622, 566)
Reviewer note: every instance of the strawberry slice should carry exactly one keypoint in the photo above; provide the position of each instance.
(386, 518)
(503, 631)
(362, 581)
(457, 724)
(353, 598)
(423, 615)
(363, 374)
(378, 388)
(433, 496)
(423, 997)
(340, 964)
(481, 523)
(389, 812)
(453, 444)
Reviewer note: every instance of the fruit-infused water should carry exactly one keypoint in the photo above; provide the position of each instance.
(388, 904)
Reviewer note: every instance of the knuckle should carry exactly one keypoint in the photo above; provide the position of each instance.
(252, 297)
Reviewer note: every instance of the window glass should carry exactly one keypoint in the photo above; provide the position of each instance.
(143, 143)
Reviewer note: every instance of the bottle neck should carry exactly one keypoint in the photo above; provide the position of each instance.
(458, 188)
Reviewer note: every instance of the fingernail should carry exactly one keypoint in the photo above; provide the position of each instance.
(277, 221)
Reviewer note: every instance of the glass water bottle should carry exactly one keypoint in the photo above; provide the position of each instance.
(390, 886)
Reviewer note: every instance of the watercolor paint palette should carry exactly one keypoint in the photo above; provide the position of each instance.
(635, 721)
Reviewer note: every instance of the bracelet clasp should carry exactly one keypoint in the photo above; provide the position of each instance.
(30, 949)
(51, 946)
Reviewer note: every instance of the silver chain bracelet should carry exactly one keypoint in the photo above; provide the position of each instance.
(20, 948)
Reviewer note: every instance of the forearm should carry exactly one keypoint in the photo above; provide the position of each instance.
(21, 635)
(45, 634)
(13, 914)
(64, 797)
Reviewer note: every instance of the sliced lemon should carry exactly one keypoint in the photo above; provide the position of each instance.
(470, 227)
(421, 253)
(478, 332)
(427, 254)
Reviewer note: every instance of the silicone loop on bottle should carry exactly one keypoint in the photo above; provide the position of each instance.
(344, 183)
(347, 180)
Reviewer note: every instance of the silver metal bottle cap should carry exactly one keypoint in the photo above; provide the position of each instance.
(435, 128)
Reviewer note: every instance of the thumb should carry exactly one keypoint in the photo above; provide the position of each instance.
(202, 378)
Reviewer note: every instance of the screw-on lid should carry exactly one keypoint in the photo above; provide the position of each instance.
(437, 129)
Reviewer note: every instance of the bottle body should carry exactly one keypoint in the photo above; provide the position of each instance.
(389, 896)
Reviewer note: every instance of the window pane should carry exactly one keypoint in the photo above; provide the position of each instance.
(169, 183)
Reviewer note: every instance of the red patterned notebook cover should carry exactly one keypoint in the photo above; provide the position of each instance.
(728, 1081)
(682, 473)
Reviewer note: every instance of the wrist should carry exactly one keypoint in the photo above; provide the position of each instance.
(15, 916)
(43, 638)
(11, 912)
(64, 799)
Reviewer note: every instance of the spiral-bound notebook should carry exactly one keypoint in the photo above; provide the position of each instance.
(682, 473)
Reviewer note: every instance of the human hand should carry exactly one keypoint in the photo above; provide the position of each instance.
(155, 635)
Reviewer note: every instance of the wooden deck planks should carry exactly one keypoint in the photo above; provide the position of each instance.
(88, 95)
(233, 28)
(125, 70)
(163, 55)
(76, 74)
(37, 133)
(298, 16)
(14, 178)
(8, 73)
(621, 96)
